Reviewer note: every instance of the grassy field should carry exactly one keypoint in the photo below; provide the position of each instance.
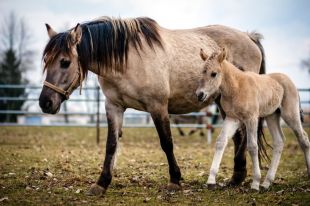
(55, 166)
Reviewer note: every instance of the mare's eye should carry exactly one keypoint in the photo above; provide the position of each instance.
(213, 74)
(65, 63)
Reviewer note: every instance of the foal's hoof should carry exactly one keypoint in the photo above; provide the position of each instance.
(173, 187)
(265, 186)
(95, 190)
(211, 186)
(254, 190)
(263, 189)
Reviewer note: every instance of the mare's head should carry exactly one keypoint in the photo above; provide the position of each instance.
(211, 74)
(63, 72)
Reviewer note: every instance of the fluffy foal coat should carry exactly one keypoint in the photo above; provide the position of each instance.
(245, 96)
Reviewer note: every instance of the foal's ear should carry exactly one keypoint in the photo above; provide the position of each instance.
(203, 55)
(76, 34)
(51, 33)
(222, 56)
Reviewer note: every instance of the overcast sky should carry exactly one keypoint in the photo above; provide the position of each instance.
(285, 24)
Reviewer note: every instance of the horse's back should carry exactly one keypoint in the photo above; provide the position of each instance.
(242, 49)
(290, 90)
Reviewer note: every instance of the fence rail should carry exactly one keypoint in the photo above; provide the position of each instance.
(97, 99)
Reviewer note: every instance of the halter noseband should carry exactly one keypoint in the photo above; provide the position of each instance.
(77, 78)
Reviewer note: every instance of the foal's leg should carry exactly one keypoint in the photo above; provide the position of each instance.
(229, 128)
(239, 140)
(273, 122)
(292, 117)
(251, 129)
(161, 120)
(115, 121)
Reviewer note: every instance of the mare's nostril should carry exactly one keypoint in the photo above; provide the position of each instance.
(48, 104)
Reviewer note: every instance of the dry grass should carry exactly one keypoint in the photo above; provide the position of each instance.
(55, 166)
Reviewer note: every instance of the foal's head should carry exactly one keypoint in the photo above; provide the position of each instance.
(211, 74)
(63, 72)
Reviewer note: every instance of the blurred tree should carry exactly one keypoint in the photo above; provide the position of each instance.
(305, 63)
(16, 59)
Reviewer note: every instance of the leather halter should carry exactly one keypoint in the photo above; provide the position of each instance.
(77, 78)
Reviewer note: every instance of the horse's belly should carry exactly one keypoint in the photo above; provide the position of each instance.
(185, 105)
(270, 99)
(265, 111)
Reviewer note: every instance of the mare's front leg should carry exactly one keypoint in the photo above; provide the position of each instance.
(115, 121)
(251, 129)
(230, 126)
(161, 120)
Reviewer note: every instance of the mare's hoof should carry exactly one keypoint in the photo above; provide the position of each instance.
(237, 178)
(212, 186)
(95, 190)
(173, 187)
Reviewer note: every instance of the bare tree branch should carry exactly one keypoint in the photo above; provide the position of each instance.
(16, 35)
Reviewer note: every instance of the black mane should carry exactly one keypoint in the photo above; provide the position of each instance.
(105, 42)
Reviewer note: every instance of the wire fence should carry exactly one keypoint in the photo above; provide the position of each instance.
(88, 110)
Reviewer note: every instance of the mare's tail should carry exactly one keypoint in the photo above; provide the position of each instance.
(261, 140)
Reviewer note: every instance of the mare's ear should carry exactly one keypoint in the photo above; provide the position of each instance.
(51, 33)
(76, 34)
(222, 56)
(203, 55)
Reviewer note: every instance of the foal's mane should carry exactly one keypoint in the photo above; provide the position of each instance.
(105, 41)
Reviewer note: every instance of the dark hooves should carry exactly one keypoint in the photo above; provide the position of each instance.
(173, 187)
(237, 178)
(263, 189)
(252, 190)
(96, 190)
(212, 186)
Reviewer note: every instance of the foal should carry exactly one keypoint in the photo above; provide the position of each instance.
(245, 96)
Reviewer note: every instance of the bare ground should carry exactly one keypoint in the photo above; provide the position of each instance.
(55, 166)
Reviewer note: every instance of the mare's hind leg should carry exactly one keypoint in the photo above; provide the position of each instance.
(292, 118)
(273, 122)
(115, 121)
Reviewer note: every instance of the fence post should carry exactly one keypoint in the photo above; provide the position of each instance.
(98, 115)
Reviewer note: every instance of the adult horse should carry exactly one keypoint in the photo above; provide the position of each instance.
(144, 66)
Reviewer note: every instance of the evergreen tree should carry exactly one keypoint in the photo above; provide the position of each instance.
(10, 74)
(15, 59)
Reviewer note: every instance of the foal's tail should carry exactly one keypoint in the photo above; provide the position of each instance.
(261, 140)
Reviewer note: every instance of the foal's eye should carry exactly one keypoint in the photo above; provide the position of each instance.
(213, 74)
(65, 63)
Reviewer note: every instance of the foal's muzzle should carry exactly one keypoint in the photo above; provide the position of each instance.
(201, 96)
